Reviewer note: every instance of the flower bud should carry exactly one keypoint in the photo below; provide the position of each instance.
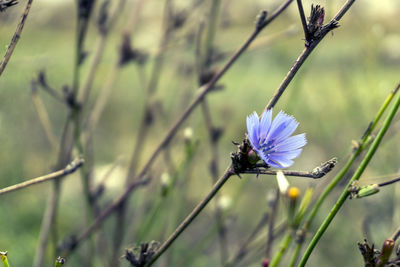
(368, 190)
(253, 157)
(165, 183)
(293, 193)
(188, 134)
(386, 251)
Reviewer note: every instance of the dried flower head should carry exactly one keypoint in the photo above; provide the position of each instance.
(272, 140)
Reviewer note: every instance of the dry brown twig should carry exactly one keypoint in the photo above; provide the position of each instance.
(16, 36)
(202, 92)
(70, 168)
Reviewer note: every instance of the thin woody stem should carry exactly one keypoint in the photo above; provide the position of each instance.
(86, 234)
(208, 87)
(317, 172)
(43, 116)
(99, 51)
(70, 168)
(172, 131)
(69, 139)
(16, 37)
(213, 131)
(305, 53)
(389, 182)
(303, 19)
(196, 211)
(289, 76)
(396, 234)
(145, 126)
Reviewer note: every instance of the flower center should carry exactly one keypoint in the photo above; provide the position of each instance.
(267, 146)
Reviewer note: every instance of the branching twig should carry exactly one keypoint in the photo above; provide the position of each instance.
(316, 173)
(303, 19)
(146, 123)
(107, 89)
(396, 234)
(214, 132)
(42, 81)
(172, 131)
(228, 173)
(70, 168)
(309, 47)
(104, 27)
(70, 136)
(48, 221)
(4, 4)
(43, 116)
(99, 220)
(16, 37)
(283, 86)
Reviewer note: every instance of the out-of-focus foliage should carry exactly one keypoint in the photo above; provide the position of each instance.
(334, 97)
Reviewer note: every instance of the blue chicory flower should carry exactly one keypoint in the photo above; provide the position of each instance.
(271, 139)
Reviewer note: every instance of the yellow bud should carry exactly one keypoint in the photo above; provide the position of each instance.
(293, 192)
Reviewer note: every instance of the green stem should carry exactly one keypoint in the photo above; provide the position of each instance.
(382, 110)
(356, 176)
(295, 255)
(282, 248)
(344, 170)
(293, 228)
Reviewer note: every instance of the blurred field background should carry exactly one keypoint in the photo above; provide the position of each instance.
(334, 97)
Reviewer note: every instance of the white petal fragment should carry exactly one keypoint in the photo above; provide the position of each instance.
(283, 183)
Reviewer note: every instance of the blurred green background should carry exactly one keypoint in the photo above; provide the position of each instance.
(334, 97)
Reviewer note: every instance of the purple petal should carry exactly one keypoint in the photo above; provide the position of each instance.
(281, 162)
(262, 156)
(273, 164)
(253, 128)
(288, 154)
(282, 127)
(291, 143)
(289, 126)
(265, 123)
